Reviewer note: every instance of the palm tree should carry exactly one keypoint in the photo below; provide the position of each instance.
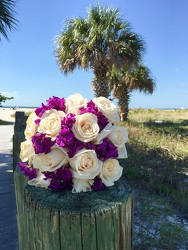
(98, 42)
(124, 82)
(7, 20)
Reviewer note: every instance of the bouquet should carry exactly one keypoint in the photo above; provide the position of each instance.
(73, 144)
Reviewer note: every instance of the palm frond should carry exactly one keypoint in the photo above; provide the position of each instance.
(139, 78)
(98, 42)
(7, 20)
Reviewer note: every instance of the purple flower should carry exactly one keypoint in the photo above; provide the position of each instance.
(56, 103)
(66, 137)
(52, 103)
(55, 185)
(69, 120)
(98, 185)
(39, 111)
(37, 121)
(105, 150)
(61, 179)
(92, 108)
(69, 141)
(74, 146)
(28, 172)
(90, 145)
(48, 175)
(22, 165)
(41, 143)
(102, 120)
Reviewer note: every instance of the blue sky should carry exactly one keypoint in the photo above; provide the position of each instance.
(28, 70)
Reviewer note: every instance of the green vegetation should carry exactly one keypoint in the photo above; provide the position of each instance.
(98, 42)
(4, 98)
(157, 170)
(158, 152)
(123, 82)
(26, 114)
(7, 20)
(5, 122)
(157, 223)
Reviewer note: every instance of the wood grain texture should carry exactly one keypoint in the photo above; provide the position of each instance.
(20, 182)
(18, 137)
(49, 220)
(20, 121)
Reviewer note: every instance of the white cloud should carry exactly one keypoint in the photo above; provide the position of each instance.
(176, 69)
(182, 84)
(10, 94)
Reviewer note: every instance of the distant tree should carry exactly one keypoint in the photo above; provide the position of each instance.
(4, 98)
(124, 82)
(7, 20)
(98, 42)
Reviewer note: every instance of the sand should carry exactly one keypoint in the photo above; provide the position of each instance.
(5, 113)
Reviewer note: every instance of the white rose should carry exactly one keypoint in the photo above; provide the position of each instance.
(51, 122)
(111, 171)
(74, 103)
(107, 108)
(85, 164)
(39, 181)
(86, 127)
(31, 127)
(81, 185)
(119, 136)
(55, 159)
(26, 150)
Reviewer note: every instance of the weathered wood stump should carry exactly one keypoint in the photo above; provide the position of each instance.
(49, 220)
(18, 137)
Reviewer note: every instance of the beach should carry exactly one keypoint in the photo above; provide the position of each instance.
(5, 113)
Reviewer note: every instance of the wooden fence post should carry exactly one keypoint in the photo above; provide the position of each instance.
(18, 137)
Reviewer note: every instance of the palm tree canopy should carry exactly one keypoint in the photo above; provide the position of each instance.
(7, 20)
(123, 82)
(99, 41)
(138, 78)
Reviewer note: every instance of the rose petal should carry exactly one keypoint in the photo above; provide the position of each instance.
(82, 185)
(111, 171)
(85, 164)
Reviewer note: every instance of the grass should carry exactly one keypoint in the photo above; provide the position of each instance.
(5, 122)
(158, 152)
(157, 170)
(26, 114)
(157, 225)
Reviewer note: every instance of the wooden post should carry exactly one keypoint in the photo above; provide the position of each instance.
(97, 220)
(18, 137)
(20, 121)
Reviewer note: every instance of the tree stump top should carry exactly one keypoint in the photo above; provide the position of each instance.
(87, 202)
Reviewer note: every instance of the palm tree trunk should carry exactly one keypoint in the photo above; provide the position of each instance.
(122, 93)
(100, 83)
